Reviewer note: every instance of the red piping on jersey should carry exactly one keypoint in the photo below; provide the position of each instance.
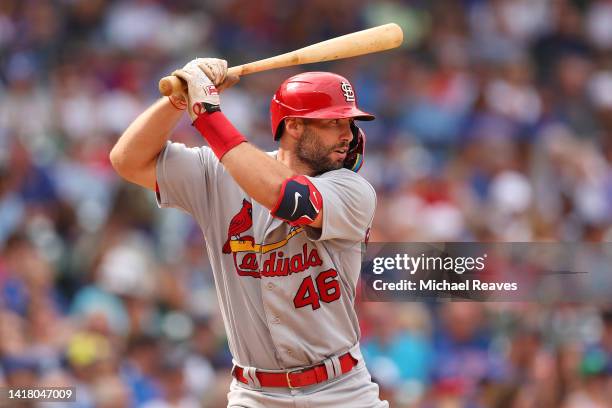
(218, 131)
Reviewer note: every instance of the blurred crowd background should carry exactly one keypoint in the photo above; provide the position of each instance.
(493, 124)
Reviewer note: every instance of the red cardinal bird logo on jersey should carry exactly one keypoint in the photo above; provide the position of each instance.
(240, 223)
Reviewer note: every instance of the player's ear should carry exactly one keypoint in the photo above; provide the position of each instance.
(294, 127)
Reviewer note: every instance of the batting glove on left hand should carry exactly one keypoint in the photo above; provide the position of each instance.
(202, 76)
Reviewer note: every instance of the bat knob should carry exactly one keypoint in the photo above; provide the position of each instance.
(170, 85)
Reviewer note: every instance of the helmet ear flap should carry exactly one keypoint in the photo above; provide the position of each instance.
(279, 130)
(355, 131)
(354, 156)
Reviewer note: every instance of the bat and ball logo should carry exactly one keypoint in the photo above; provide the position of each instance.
(347, 91)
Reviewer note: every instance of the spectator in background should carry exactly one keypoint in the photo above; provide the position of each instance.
(174, 391)
(462, 347)
(140, 367)
(397, 349)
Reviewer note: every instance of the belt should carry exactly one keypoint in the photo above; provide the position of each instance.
(301, 377)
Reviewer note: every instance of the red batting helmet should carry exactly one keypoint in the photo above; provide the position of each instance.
(320, 95)
(315, 95)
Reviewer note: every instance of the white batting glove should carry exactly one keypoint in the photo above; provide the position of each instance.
(216, 70)
(205, 78)
(202, 94)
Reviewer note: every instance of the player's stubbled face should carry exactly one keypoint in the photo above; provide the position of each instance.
(324, 143)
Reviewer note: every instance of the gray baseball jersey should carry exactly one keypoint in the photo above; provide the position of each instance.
(286, 293)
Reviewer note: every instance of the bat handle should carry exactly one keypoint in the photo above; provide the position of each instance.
(170, 85)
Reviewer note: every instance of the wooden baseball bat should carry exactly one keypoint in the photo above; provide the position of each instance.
(368, 41)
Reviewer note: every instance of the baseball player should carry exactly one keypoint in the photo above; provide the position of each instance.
(283, 230)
